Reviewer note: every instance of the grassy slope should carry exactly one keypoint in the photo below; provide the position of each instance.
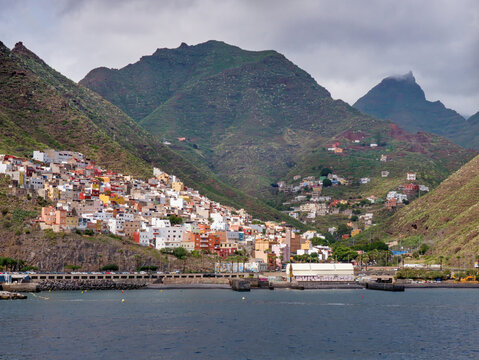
(447, 217)
(40, 108)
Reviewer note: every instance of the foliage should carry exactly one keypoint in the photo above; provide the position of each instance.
(312, 258)
(29, 268)
(327, 183)
(344, 253)
(72, 267)
(319, 241)
(343, 229)
(148, 268)
(180, 253)
(175, 220)
(110, 267)
(10, 264)
(376, 245)
(416, 274)
(423, 249)
(325, 172)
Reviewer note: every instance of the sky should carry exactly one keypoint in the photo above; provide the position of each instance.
(348, 46)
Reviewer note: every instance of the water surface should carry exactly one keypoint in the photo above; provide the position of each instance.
(218, 324)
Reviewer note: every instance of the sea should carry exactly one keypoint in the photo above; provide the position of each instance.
(223, 324)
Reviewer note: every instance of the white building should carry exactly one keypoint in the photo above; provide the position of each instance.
(411, 176)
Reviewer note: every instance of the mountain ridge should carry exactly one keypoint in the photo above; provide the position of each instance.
(250, 117)
(402, 100)
(40, 108)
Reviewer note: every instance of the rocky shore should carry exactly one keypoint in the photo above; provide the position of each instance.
(88, 285)
(7, 295)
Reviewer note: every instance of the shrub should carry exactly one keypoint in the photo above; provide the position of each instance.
(422, 274)
(49, 234)
(180, 253)
(110, 267)
(148, 268)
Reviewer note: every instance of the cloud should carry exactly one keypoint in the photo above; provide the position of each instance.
(347, 46)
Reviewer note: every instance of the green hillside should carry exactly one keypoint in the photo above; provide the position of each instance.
(254, 118)
(447, 218)
(40, 108)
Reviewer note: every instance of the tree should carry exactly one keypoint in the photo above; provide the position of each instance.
(180, 253)
(175, 220)
(327, 183)
(423, 249)
(319, 241)
(344, 253)
(344, 229)
(326, 172)
(110, 267)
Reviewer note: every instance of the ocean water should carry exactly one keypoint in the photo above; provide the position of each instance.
(219, 324)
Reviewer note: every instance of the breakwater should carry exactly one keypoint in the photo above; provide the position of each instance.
(70, 285)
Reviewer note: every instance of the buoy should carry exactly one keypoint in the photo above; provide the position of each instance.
(362, 296)
(82, 292)
(49, 290)
(85, 290)
(122, 300)
(122, 291)
(243, 298)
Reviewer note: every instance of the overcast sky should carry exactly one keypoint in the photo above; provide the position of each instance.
(347, 46)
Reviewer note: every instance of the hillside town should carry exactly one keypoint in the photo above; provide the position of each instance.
(160, 212)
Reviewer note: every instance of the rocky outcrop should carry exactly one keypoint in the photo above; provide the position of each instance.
(6, 295)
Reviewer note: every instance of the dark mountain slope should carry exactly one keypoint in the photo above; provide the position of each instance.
(401, 99)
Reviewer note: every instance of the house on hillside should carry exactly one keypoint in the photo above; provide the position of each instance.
(411, 176)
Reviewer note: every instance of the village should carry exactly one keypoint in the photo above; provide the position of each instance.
(160, 212)
(308, 202)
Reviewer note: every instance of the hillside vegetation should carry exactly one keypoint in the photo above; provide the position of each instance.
(447, 218)
(254, 118)
(40, 108)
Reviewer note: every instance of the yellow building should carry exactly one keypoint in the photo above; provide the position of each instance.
(53, 193)
(104, 198)
(178, 186)
(71, 222)
(186, 198)
(306, 245)
(355, 232)
(163, 177)
(261, 248)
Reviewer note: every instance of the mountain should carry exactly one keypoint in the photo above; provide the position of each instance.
(402, 100)
(253, 117)
(447, 218)
(474, 119)
(40, 108)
